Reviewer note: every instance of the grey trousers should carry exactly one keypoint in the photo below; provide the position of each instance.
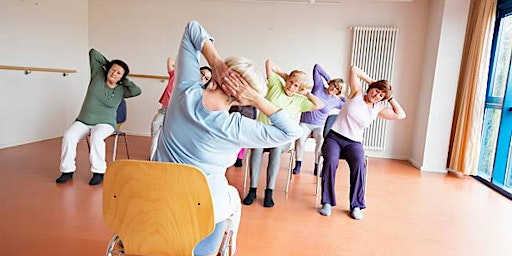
(274, 159)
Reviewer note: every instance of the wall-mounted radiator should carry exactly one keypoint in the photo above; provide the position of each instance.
(373, 50)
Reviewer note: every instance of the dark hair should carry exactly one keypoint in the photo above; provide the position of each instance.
(209, 69)
(121, 64)
(205, 67)
(381, 85)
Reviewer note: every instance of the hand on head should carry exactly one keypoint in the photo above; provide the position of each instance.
(236, 86)
(219, 71)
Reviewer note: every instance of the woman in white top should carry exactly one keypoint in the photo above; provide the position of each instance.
(344, 140)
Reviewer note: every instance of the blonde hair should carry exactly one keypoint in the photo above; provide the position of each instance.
(340, 84)
(301, 75)
(249, 72)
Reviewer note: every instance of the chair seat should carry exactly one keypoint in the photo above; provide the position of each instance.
(210, 245)
(118, 132)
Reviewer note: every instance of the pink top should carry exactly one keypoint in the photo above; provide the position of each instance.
(355, 116)
(166, 95)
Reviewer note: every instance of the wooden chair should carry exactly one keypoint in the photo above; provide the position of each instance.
(328, 124)
(160, 208)
(289, 176)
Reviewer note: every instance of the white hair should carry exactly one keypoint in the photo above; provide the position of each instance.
(249, 72)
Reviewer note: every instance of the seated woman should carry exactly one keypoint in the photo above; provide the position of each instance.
(313, 121)
(344, 140)
(107, 87)
(158, 119)
(293, 98)
(198, 129)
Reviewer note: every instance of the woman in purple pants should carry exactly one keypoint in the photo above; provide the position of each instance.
(344, 140)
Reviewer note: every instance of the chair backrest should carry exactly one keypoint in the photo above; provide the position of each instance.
(121, 112)
(328, 123)
(157, 208)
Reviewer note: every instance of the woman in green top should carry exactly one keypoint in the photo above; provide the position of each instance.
(108, 86)
(292, 97)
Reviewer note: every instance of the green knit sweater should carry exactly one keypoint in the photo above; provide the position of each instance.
(101, 102)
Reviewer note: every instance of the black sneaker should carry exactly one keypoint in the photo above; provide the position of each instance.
(249, 199)
(267, 201)
(64, 177)
(96, 179)
(238, 162)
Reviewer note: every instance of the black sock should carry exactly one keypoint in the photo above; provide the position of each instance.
(65, 176)
(96, 179)
(298, 164)
(249, 199)
(238, 162)
(268, 202)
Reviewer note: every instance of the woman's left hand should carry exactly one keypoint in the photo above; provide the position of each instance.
(239, 89)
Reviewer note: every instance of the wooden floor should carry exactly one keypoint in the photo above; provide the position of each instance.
(409, 212)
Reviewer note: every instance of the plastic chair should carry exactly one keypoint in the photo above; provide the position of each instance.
(120, 119)
(289, 176)
(158, 208)
(328, 124)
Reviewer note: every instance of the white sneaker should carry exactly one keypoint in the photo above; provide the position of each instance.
(356, 214)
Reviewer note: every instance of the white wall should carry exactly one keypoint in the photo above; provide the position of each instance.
(41, 34)
(293, 35)
(436, 113)
(144, 33)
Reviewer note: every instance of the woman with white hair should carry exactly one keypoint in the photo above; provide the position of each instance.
(198, 130)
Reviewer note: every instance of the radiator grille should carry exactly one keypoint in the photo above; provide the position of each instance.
(373, 50)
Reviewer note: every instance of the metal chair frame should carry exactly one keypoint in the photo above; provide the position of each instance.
(289, 176)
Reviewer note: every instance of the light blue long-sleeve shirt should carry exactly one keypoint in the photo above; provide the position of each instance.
(210, 140)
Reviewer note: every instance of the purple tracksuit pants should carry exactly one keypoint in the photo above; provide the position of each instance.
(337, 147)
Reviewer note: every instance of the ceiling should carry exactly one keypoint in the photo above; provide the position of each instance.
(317, 1)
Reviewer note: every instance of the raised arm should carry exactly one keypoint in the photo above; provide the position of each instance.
(271, 67)
(132, 89)
(319, 76)
(194, 39)
(395, 112)
(170, 65)
(355, 77)
(96, 61)
(219, 67)
(317, 103)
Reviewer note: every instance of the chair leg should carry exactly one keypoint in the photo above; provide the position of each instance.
(126, 145)
(318, 180)
(225, 246)
(115, 148)
(246, 168)
(289, 175)
(88, 144)
(366, 169)
(114, 247)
